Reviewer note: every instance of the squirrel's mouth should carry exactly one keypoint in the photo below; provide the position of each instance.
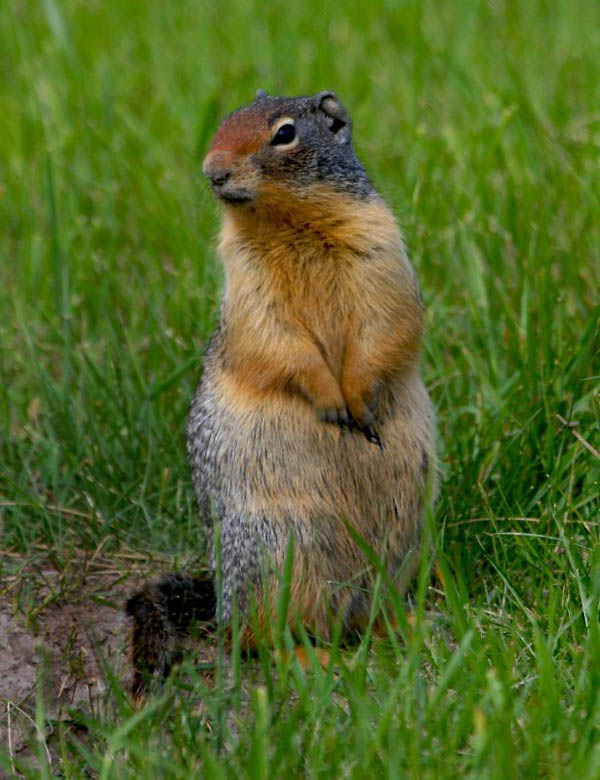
(234, 197)
(229, 192)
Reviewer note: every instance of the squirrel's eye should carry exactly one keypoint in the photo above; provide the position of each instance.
(285, 135)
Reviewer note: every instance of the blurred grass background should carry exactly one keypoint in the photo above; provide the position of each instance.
(480, 123)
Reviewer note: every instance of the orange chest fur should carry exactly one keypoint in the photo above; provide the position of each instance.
(314, 296)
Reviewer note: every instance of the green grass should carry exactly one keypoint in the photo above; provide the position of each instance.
(480, 123)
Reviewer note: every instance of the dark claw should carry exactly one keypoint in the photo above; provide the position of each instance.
(367, 431)
(342, 419)
(371, 435)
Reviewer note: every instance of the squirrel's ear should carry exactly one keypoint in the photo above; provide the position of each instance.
(334, 116)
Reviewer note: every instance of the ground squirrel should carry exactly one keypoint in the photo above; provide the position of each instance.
(311, 415)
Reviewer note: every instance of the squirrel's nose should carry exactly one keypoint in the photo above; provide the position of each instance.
(217, 168)
(219, 176)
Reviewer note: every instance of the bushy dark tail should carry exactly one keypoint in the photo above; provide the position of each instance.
(164, 613)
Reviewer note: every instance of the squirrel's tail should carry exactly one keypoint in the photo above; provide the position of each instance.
(163, 614)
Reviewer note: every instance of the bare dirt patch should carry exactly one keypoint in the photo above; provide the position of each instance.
(63, 634)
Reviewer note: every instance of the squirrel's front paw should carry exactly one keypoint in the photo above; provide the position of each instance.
(363, 417)
(338, 415)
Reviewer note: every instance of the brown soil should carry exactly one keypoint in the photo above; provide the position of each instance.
(63, 631)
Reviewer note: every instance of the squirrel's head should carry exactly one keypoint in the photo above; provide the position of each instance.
(282, 147)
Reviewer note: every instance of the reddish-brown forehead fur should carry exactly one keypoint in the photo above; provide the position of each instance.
(242, 133)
